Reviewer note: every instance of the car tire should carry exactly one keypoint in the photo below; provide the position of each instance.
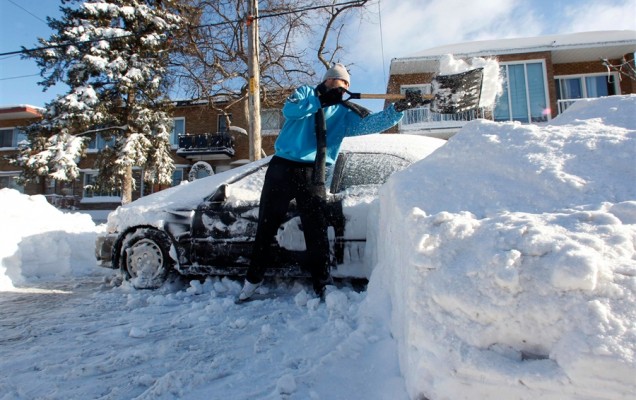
(145, 258)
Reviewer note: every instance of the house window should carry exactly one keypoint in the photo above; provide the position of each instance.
(98, 142)
(11, 137)
(6, 137)
(524, 96)
(178, 176)
(423, 89)
(222, 125)
(9, 181)
(272, 119)
(573, 87)
(90, 190)
(178, 128)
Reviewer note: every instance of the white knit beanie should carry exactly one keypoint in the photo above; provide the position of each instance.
(338, 71)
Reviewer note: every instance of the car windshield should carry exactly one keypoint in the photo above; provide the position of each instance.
(359, 169)
(246, 190)
(369, 169)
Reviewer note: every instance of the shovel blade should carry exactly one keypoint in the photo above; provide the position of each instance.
(456, 93)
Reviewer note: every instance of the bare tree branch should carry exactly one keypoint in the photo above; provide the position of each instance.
(625, 68)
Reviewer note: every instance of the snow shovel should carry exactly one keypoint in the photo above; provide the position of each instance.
(451, 94)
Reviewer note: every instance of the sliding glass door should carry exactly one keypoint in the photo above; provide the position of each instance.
(524, 96)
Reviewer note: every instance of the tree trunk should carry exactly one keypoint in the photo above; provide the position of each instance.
(126, 186)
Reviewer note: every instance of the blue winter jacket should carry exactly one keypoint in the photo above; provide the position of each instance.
(297, 139)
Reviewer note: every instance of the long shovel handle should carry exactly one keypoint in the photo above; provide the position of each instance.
(389, 96)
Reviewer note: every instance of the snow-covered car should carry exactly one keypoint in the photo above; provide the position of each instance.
(207, 227)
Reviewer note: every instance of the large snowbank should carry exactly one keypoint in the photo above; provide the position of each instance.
(39, 242)
(508, 257)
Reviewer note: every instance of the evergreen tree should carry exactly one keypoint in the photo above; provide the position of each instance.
(113, 56)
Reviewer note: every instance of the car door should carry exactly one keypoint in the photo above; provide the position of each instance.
(224, 224)
(224, 227)
(355, 186)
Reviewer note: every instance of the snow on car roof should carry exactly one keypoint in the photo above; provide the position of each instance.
(148, 210)
(410, 147)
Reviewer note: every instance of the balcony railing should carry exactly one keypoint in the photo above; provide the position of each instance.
(565, 103)
(423, 118)
(206, 144)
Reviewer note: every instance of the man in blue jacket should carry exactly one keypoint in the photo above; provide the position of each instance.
(289, 175)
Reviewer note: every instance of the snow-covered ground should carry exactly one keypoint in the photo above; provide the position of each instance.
(505, 267)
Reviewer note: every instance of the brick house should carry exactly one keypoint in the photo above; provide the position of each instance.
(542, 76)
(200, 137)
(11, 119)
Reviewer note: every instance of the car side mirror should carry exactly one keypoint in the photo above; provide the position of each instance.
(220, 195)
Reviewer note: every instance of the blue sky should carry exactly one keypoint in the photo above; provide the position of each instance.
(408, 26)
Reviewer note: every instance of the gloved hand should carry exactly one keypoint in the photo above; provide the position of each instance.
(331, 97)
(413, 99)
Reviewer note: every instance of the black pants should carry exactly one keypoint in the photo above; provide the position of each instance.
(286, 180)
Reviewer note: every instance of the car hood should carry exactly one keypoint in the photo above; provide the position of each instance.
(153, 210)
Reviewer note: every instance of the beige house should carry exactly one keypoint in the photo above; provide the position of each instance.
(542, 76)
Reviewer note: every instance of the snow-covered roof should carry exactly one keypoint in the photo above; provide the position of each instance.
(566, 48)
(20, 111)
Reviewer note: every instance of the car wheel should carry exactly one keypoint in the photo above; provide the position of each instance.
(146, 258)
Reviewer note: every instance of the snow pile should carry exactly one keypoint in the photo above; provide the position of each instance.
(508, 258)
(39, 241)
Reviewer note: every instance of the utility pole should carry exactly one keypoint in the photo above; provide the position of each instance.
(254, 91)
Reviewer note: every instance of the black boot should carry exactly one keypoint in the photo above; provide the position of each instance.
(320, 286)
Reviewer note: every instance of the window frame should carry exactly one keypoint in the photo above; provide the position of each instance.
(528, 102)
(179, 168)
(174, 135)
(100, 143)
(280, 119)
(92, 197)
(425, 87)
(11, 175)
(583, 80)
(17, 135)
(221, 117)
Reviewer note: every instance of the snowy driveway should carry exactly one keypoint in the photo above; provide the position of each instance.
(90, 339)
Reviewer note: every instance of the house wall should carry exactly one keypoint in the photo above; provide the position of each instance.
(242, 146)
(204, 119)
(626, 85)
(30, 188)
(9, 123)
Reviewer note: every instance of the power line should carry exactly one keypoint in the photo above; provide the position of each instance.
(74, 43)
(382, 43)
(18, 77)
(311, 8)
(27, 11)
